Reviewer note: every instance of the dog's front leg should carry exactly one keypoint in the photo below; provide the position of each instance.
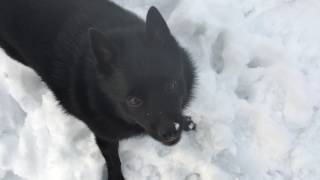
(110, 152)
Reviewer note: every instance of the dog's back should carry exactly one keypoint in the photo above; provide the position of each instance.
(52, 36)
(35, 28)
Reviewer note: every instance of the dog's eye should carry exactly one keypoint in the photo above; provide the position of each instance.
(171, 86)
(134, 102)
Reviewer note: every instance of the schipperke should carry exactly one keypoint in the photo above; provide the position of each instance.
(120, 75)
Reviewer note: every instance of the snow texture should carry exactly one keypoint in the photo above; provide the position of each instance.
(256, 103)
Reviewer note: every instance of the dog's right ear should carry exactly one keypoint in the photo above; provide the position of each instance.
(103, 48)
(157, 29)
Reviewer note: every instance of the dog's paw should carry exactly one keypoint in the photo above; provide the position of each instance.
(188, 124)
(115, 175)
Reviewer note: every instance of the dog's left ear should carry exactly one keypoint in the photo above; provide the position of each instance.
(156, 27)
(104, 49)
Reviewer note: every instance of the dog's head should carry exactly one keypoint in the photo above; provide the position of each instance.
(146, 75)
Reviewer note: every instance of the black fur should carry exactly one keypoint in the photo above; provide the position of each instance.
(116, 73)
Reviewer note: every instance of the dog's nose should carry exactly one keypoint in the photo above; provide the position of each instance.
(170, 133)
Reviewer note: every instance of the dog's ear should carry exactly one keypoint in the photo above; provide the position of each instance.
(156, 27)
(103, 48)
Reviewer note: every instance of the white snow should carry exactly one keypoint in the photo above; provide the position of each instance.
(176, 126)
(256, 104)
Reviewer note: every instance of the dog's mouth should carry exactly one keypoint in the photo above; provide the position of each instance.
(171, 141)
(168, 141)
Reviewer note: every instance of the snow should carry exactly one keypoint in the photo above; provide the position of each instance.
(176, 126)
(256, 103)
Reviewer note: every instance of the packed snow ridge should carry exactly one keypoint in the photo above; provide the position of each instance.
(256, 103)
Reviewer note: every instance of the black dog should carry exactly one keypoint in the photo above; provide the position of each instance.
(107, 67)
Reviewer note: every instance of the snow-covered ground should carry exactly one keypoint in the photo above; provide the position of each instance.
(256, 104)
